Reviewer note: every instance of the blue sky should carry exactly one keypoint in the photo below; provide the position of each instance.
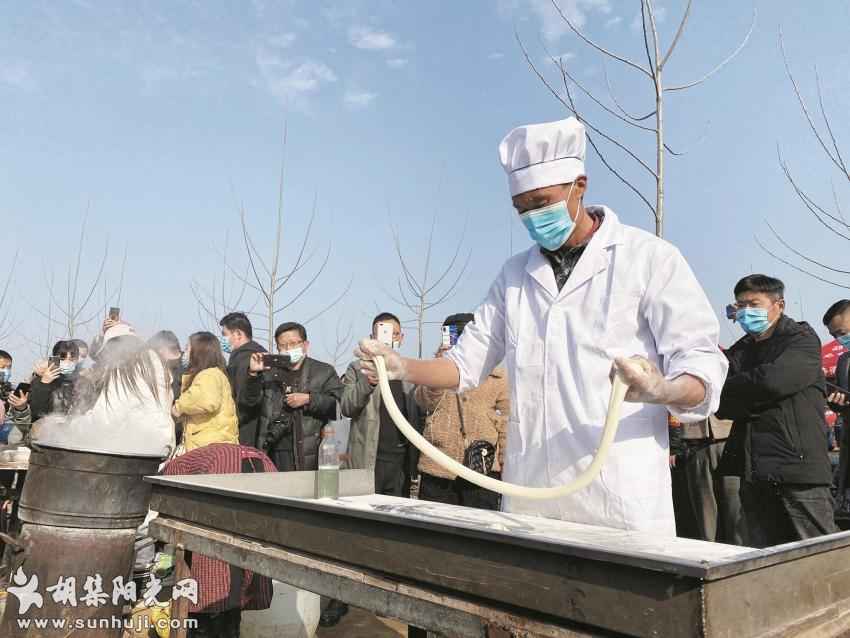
(167, 117)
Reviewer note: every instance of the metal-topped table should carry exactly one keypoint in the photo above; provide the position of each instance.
(453, 570)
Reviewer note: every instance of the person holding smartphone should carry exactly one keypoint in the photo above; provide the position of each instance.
(374, 441)
(19, 411)
(469, 427)
(55, 385)
(295, 401)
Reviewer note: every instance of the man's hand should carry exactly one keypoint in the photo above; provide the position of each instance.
(648, 385)
(107, 324)
(837, 398)
(297, 400)
(51, 373)
(441, 351)
(256, 365)
(40, 367)
(645, 381)
(368, 349)
(19, 402)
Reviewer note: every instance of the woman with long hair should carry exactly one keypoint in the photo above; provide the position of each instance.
(206, 402)
(124, 407)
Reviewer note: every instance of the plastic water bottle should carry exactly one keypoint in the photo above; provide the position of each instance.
(327, 480)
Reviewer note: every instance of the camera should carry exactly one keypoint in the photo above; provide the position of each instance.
(275, 365)
(279, 428)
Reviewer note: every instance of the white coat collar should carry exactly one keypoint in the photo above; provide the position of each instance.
(594, 260)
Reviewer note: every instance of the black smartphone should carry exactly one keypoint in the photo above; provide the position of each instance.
(836, 388)
(280, 361)
(114, 313)
(53, 362)
(22, 389)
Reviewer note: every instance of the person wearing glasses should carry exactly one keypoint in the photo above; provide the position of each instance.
(775, 394)
(295, 401)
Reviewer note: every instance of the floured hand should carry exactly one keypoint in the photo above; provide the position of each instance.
(645, 381)
(368, 349)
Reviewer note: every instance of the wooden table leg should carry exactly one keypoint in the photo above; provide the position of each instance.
(180, 607)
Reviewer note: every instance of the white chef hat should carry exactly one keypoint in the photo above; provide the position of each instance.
(539, 155)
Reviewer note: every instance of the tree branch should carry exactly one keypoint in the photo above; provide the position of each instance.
(677, 37)
(835, 160)
(731, 57)
(599, 48)
(798, 268)
(801, 255)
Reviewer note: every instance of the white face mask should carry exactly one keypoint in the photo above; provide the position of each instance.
(295, 355)
(396, 345)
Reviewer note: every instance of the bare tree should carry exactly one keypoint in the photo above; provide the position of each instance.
(72, 307)
(651, 123)
(340, 354)
(6, 328)
(269, 279)
(833, 220)
(421, 294)
(224, 294)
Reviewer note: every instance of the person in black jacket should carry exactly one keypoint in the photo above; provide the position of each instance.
(837, 321)
(295, 403)
(237, 341)
(56, 388)
(776, 395)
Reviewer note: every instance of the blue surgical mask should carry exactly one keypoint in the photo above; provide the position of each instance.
(754, 321)
(67, 367)
(295, 355)
(5, 375)
(844, 340)
(225, 345)
(550, 226)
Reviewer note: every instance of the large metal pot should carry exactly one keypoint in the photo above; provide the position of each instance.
(66, 488)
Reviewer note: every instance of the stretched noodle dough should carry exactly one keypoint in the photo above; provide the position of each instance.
(612, 420)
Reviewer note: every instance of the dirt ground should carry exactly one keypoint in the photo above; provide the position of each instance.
(363, 624)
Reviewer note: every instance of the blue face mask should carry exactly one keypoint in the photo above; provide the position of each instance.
(844, 340)
(5, 375)
(550, 226)
(225, 345)
(754, 321)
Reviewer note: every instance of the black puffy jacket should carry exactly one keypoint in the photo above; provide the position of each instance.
(322, 383)
(237, 374)
(776, 395)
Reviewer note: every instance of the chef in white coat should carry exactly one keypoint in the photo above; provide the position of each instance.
(590, 292)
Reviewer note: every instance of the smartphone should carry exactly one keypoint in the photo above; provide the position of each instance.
(22, 389)
(385, 333)
(280, 361)
(114, 313)
(836, 388)
(450, 336)
(53, 362)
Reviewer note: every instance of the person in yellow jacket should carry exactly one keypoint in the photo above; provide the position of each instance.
(206, 402)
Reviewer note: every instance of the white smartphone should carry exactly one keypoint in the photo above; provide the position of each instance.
(447, 337)
(385, 333)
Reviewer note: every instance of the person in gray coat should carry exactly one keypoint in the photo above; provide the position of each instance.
(374, 441)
